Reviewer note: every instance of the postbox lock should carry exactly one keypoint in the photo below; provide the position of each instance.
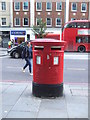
(38, 60)
(56, 60)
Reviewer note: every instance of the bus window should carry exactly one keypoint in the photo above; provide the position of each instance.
(83, 39)
(88, 39)
(71, 25)
(82, 25)
(78, 39)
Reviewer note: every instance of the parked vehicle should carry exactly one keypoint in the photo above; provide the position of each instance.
(16, 51)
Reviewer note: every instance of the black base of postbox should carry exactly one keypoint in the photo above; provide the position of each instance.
(46, 90)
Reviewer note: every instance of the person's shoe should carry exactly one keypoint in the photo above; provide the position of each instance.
(31, 74)
(23, 70)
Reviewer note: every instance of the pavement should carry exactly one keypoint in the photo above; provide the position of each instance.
(18, 102)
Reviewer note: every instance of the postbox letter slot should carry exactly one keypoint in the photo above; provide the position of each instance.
(38, 47)
(56, 60)
(38, 60)
(55, 47)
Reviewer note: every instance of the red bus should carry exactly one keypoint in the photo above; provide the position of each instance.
(77, 35)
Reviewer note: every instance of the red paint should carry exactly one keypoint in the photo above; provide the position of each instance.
(47, 72)
(52, 36)
(70, 34)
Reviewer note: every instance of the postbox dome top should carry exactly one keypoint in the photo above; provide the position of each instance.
(48, 41)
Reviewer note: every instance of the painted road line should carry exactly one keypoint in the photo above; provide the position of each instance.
(79, 69)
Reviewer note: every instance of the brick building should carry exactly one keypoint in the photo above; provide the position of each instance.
(54, 12)
(20, 15)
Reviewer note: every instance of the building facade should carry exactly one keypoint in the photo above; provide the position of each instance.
(17, 17)
(4, 22)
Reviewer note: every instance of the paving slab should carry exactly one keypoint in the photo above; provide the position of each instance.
(5, 110)
(21, 114)
(12, 94)
(77, 110)
(18, 102)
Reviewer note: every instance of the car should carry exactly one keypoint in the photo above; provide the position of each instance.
(16, 51)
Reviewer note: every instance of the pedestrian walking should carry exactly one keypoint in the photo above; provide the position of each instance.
(26, 54)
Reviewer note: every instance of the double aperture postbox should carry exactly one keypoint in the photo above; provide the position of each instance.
(47, 67)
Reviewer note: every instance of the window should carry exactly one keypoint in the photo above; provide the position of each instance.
(49, 21)
(82, 39)
(25, 21)
(73, 19)
(58, 21)
(71, 25)
(58, 6)
(17, 6)
(3, 5)
(3, 21)
(25, 6)
(49, 6)
(28, 37)
(82, 25)
(83, 7)
(38, 6)
(74, 6)
(17, 21)
(38, 21)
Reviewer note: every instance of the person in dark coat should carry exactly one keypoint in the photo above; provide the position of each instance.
(27, 56)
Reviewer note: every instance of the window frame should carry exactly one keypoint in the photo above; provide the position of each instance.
(46, 6)
(15, 22)
(28, 22)
(72, 7)
(56, 6)
(23, 6)
(49, 25)
(36, 6)
(15, 8)
(81, 8)
(2, 21)
(60, 24)
(4, 6)
(36, 21)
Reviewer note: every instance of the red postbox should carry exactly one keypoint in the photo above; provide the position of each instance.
(47, 67)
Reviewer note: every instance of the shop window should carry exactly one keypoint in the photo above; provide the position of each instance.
(28, 37)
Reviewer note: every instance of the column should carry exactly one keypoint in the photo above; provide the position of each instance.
(67, 11)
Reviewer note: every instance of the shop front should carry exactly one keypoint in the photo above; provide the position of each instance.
(18, 36)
